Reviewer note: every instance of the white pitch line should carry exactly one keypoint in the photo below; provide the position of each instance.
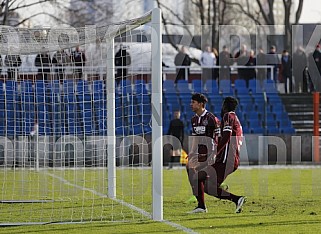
(141, 211)
(274, 167)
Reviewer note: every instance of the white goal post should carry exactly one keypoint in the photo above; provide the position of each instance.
(81, 123)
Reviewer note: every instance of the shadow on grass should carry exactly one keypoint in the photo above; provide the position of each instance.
(127, 227)
(264, 224)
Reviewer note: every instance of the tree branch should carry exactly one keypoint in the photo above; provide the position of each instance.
(179, 19)
(298, 12)
(265, 17)
(247, 13)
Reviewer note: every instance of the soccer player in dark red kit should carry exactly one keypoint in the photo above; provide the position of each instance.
(205, 132)
(209, 175)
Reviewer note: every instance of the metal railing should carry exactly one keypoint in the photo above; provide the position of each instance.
(101, 71)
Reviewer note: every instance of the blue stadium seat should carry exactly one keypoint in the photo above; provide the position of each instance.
(284, 123)
(121, 131)
(261, 107)
(281, 115)
(98, 86)
(212, 87)
(13, 108)
(84, 98)
(270, 123)
(278, 107)
(240, 87)
(27, 117)
(225, 87)
(169, 87)
(252, 115)
(57, 109)
(145, 108)
(245, 129)
(197, 86)
(43, 108)
(100, 106)
(287, 130)
(241, 90)
(216, 100)
(72, 118)
(273, 98)
(182, 86)
(82, 87)
(72, 110)
(255, 86)
(188, 115)
(240, 83)
(273, 130)
(136, 129)
(68, 87)
(172, 102)
(246, 106)
(125, 87)
(258, 97)
(140, 87)
(254, 123)
(257, 130)
(244, 98)
(145, 98)
(270, 87)
(2, 111)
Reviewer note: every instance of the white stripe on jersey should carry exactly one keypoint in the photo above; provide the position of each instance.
(227, 128)
(225, 154)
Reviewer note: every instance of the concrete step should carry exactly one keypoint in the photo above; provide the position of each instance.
(300, 110)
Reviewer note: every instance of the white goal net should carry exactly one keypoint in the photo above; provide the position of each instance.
(78, 121)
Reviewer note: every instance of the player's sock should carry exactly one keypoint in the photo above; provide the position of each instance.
(224, 186)
(200, 196)
(234, 198)
(192, 199)
(171, 162)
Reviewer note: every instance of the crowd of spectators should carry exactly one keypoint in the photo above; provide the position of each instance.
(293, 73)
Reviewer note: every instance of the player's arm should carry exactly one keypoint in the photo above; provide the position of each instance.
(194, 147)
(182, 132)
(193, 150)
(217, 131)
(169, 132)
(226, 135)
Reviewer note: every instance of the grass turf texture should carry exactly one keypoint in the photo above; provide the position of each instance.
(279, 201)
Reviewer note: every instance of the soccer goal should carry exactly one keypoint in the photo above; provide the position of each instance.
(80, 123)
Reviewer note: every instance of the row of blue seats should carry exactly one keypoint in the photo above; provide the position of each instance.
(222, 86)
(84, 95)
(65, 113)
(252, 107)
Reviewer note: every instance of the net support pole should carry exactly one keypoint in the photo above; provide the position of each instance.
(110, 90)
(316, 147)
(157, 128)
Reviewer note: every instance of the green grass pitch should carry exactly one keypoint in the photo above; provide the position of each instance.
(280, 200)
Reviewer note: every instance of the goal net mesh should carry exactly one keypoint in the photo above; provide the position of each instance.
(54, 121)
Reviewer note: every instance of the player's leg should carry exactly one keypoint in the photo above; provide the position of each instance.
(171, 159)
(216, 175)
(197, 183)
(190, 173)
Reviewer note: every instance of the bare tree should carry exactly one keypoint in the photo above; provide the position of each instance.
(10, 9)
(287, 13)
(263, 14)
(87, 12)
(208, 14)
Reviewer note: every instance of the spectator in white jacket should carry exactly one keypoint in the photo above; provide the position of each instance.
(208, 60)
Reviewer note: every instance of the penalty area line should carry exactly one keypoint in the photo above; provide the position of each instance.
(141, 211)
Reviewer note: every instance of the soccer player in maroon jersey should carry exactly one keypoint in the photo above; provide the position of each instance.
(205, 132)
(209, 175)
